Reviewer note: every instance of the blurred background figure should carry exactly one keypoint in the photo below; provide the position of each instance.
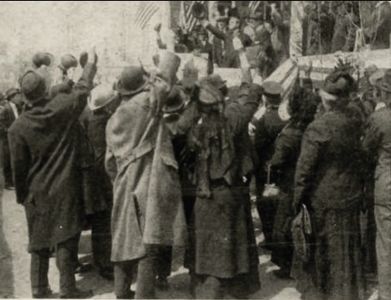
(6, 269)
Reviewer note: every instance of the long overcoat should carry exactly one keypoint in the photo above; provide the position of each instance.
(377, 144)
(328, 180)
(147, 206)
(45, 159)
(224, 241)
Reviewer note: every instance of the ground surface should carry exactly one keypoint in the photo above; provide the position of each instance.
(15, 264)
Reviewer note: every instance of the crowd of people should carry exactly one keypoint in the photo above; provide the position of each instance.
(327, 27)
(150, 162)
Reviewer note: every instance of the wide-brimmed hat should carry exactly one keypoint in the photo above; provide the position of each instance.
(67, 61)
(101, 95)
(132, 81)
(32, 85)
(209, 94)
(175, 102)
(385, 82)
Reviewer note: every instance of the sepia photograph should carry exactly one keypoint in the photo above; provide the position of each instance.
(195, 150)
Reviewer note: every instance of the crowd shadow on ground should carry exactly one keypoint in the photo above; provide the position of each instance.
(6, 265)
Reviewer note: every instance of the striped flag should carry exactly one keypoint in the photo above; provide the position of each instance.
(253, 5)
(146, 10)
(186, 17)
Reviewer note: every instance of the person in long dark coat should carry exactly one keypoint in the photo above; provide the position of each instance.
(103, 102)
(225, 254)
(45, 158)
(302, 108)
(267, 129)
(328, 180)
(377, 145)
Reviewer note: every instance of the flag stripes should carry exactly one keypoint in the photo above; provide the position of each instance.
(187, 19)
(146, 10)
(253, 5)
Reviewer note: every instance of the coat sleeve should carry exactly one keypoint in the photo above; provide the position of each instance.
(240, 112)
(20, 162)
(77, 100)
(185, 121)
(314, 140)
(216, 32)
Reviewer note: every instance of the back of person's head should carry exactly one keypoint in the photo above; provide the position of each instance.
(303, 105)
(33, 86)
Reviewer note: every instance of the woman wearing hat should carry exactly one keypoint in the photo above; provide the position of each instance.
(328, 180)
(222, 245)
(302, 108)
(377, 143)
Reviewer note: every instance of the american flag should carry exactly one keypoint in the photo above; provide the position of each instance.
(145, 11)
(186, 17)
(253, 5)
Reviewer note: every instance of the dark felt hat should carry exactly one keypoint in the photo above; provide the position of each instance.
(175, 101)
(42, 59)
(32, 85)
(338, 84)
(132, 81)
(68, 61)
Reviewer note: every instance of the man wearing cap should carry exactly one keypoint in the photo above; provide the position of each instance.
(147, 208)
(267, 128)
(377, 143)
(9, 112)
(101, 105)
(329, 179)
(44, 158)
(222, 244)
